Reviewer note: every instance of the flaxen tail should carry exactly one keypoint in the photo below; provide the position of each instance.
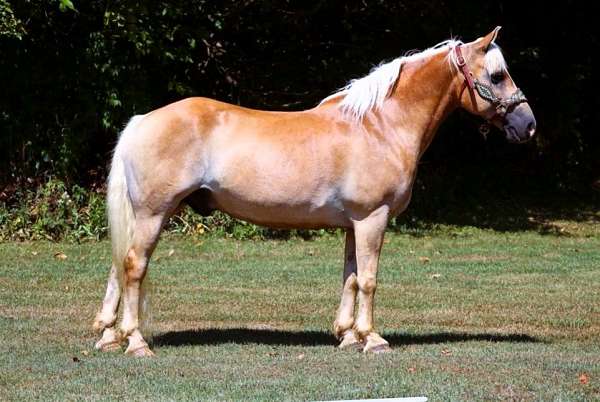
(121, 218)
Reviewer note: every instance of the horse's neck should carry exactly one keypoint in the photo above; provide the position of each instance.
(422, 98)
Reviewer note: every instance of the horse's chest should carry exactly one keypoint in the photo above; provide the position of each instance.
(372, 186)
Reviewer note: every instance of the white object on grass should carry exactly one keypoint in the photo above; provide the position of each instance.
(412, 399)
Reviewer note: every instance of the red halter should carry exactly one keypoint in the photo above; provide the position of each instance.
(485, 91)
(464, 69)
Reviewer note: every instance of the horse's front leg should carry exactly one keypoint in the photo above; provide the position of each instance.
(343, 325)
(369, 238)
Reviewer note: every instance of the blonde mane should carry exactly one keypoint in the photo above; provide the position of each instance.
(364, 94)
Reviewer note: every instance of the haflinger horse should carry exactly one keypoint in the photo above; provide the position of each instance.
(350, 162)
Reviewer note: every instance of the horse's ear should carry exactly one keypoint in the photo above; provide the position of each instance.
(485, 42)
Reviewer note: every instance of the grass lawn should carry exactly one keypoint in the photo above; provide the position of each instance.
(471, 315)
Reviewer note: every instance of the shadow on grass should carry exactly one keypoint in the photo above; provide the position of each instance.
(318, 338)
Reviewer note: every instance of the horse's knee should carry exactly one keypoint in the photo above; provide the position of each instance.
(367, 283)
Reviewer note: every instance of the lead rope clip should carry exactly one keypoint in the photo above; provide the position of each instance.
(484, 129)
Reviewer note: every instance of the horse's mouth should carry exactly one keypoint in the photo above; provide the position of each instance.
(513, 136)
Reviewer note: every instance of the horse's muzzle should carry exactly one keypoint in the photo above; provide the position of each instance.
(519, 124)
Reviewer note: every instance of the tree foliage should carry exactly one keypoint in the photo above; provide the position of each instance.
(74, 71)
(10, 26)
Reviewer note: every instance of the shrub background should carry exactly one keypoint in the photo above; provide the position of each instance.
(73, 72)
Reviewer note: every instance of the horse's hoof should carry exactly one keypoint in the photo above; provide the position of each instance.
(108, 347)
(355, 346)
(142, 351)
(109, 342)
(378, 349)
(350, 341)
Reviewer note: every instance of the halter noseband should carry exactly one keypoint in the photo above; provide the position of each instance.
(485, 91)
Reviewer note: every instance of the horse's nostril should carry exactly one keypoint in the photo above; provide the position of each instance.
(531, 128)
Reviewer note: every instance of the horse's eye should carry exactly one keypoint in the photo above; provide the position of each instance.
(497, 77)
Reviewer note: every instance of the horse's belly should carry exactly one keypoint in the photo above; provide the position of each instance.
(288, 215)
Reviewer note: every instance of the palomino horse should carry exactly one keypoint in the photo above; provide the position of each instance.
(349, 163)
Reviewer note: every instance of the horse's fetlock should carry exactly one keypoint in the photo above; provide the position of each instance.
(127, 328)
(103, 321)
(362, 328)
(340, 327)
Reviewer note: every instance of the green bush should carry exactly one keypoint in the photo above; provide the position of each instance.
(56, 211)
(75, 71)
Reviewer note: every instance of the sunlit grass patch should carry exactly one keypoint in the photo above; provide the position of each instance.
(479, 316)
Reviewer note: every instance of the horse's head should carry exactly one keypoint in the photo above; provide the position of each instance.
(489, 91)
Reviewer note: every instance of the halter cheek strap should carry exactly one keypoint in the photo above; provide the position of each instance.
(464, 69)
(485, 91)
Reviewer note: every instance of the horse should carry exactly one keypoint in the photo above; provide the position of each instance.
(350, 162)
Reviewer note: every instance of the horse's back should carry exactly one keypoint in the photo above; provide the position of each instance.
(281, 169)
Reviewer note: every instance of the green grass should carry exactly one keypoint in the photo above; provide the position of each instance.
(471, 315)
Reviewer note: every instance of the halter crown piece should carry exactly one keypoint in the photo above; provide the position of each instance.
(485, 91)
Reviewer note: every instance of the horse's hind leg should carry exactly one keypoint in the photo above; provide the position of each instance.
(147, 230)
(345, 316)
(106, 318)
